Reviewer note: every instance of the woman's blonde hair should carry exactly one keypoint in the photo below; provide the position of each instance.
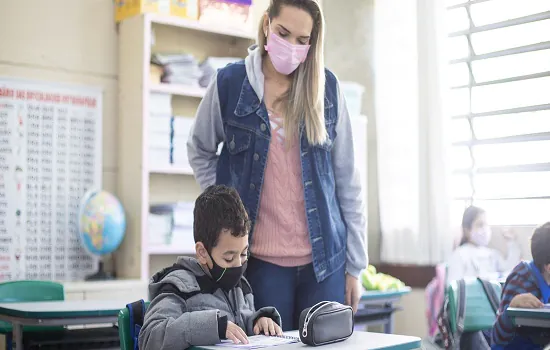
(304, 101)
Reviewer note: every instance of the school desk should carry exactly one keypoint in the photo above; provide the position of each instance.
(58, 313)
(377, 308)
(530, 317)
(358, 341)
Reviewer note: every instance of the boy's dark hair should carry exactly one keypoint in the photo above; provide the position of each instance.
(470, 215)
(219, 207)
(540, 246)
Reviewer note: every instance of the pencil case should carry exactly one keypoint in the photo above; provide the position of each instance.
(326, 322)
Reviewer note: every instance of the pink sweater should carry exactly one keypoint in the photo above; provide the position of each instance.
(281, 234)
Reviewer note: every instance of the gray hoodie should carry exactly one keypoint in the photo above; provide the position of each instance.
(188, 309)
(208, 132)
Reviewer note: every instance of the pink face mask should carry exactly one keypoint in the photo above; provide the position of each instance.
(481, 237)
(285, 56)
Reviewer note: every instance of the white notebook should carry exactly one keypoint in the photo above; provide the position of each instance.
(260, 341)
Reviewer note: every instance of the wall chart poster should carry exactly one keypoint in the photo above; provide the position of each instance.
(50, 155)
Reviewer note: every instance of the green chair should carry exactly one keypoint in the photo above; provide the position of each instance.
(21, 291)
(124, 331)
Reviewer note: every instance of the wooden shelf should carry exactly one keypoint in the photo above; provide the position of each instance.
(172, 170)
(196, 25)
(168, 250)
(138, 187)
(178, 90)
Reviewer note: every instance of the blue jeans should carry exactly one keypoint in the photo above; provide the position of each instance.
(292, 289)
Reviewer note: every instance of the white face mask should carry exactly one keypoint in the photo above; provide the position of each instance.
(481, 236)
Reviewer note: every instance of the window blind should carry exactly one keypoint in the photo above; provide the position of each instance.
(499, 71)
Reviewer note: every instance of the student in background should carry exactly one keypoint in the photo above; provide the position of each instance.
(528, 286)
(473, 258)
(288, 150)
(203, 300)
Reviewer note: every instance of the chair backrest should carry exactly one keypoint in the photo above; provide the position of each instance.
(435, 295)
(20, 291)
(126, 341)
(125, 330)
(479, 313)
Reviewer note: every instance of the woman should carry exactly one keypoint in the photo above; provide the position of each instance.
(288, 150)
(473, 258)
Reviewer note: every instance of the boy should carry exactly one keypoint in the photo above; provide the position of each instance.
(527, 286)
(200, 301)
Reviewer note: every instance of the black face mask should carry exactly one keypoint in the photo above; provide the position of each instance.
(227, 277)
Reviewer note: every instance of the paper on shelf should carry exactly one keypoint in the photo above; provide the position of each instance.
(159, 124)
(159, 157)
(160, 104)
(182, 125)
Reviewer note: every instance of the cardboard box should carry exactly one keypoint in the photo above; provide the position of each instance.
(185, 9)
(231, 14)
(188, 9)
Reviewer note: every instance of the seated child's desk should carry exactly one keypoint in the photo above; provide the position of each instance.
(58, 313)
(530, 317)
(358, 341)
(383, 300)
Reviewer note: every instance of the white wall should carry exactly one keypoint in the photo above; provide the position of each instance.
(65, 41)
(349, 44)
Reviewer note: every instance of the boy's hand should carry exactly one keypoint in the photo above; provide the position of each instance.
(235, 333)
(526, 301)
(267, 326)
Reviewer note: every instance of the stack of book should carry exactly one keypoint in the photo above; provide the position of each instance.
(181, 126)
(159, 130)
(171, 225)
(210, 67)
(180, 69)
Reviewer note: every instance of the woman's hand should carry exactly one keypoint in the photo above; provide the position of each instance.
(267, 326)
(235, 333)
(353, 292)
(509, 234)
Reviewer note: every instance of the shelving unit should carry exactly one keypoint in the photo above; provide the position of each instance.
(195, 25)
(139, 185)
(173, 170)
(169, 250)
(178, 90)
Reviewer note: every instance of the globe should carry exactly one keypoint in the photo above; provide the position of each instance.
(102, 222)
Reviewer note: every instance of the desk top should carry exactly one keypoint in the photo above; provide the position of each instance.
(358, 341)
(104, 286)
(61, 309)
(376, 294)
(543, 313)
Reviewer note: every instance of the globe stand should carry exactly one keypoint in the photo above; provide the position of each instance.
(100, 275)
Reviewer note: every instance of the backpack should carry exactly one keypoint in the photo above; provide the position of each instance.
(470, 307)
(136, 311)
(435, 294)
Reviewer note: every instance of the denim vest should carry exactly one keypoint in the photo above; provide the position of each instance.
(243, 158)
